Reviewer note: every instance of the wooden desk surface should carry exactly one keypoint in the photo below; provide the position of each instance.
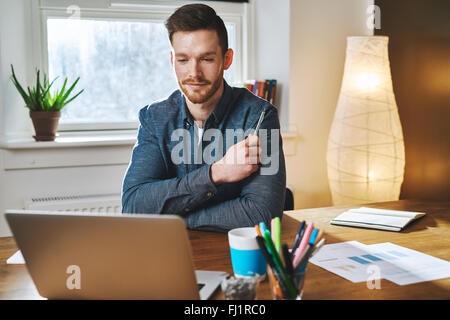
(430, 235)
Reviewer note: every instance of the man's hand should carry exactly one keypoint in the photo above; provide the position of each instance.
(240, 161)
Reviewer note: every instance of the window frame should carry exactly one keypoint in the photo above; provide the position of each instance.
(127, 10)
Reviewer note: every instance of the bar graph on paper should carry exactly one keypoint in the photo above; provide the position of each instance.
(380, 256)
(351, 260)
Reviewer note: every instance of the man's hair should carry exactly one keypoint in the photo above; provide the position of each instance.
(192, 17)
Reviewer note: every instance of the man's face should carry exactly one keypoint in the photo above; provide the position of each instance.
(199, 63)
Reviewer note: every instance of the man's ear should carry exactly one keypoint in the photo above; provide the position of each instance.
(228, 59)
(171, 57)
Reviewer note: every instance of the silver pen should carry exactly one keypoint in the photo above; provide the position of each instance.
(261, 117)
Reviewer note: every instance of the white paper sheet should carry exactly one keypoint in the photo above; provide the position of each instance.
(342, 259)
(405, 266)
(354, 261)
(16, 258)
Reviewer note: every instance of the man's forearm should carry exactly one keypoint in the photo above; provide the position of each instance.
(246, 210)
(174, 196)
(261, 199)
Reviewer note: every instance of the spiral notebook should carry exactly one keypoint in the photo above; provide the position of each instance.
(372, 218)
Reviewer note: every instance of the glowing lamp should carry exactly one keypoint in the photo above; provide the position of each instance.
(366, 153)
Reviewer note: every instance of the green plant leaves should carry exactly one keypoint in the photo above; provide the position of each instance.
(40, 98)
(22, 92)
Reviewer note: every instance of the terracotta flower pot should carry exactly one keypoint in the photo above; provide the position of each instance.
(45, 124)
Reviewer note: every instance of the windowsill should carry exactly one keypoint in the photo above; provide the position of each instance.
(88, 139)
(74, 140)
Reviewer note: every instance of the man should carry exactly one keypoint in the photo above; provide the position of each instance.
(192, 157)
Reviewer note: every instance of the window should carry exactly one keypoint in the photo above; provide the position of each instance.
(121, 55)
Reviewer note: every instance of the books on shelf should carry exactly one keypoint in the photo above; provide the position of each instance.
(392, 220)
(265, 89)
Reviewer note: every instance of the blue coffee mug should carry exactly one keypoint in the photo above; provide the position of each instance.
(246, 257)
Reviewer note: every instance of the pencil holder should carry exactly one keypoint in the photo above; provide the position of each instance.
(280, 290)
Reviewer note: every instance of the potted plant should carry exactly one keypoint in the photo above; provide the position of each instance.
(45, 107)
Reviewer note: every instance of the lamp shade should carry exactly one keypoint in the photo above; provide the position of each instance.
(366, 153)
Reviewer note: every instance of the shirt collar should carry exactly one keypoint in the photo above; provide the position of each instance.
(218, 113)
(223, 105)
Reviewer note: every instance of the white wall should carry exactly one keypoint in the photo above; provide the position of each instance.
(15, 49)
(318, 31)
(271, 50)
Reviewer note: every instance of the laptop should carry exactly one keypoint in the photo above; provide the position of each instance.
(74, 255)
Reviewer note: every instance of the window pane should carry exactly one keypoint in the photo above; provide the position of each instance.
(122, 65)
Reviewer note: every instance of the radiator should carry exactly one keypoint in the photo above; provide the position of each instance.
(106, 203)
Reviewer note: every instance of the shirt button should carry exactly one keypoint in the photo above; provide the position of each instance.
(209, 194)
(187, 210)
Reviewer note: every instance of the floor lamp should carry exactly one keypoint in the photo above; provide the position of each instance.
(366, 156)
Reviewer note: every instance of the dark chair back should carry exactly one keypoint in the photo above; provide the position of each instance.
(289, 200)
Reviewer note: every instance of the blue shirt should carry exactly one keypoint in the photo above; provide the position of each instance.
(167, 176)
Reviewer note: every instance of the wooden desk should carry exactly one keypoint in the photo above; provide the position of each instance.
(430, 235)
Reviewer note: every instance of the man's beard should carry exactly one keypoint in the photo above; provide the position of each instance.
(203, 94)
